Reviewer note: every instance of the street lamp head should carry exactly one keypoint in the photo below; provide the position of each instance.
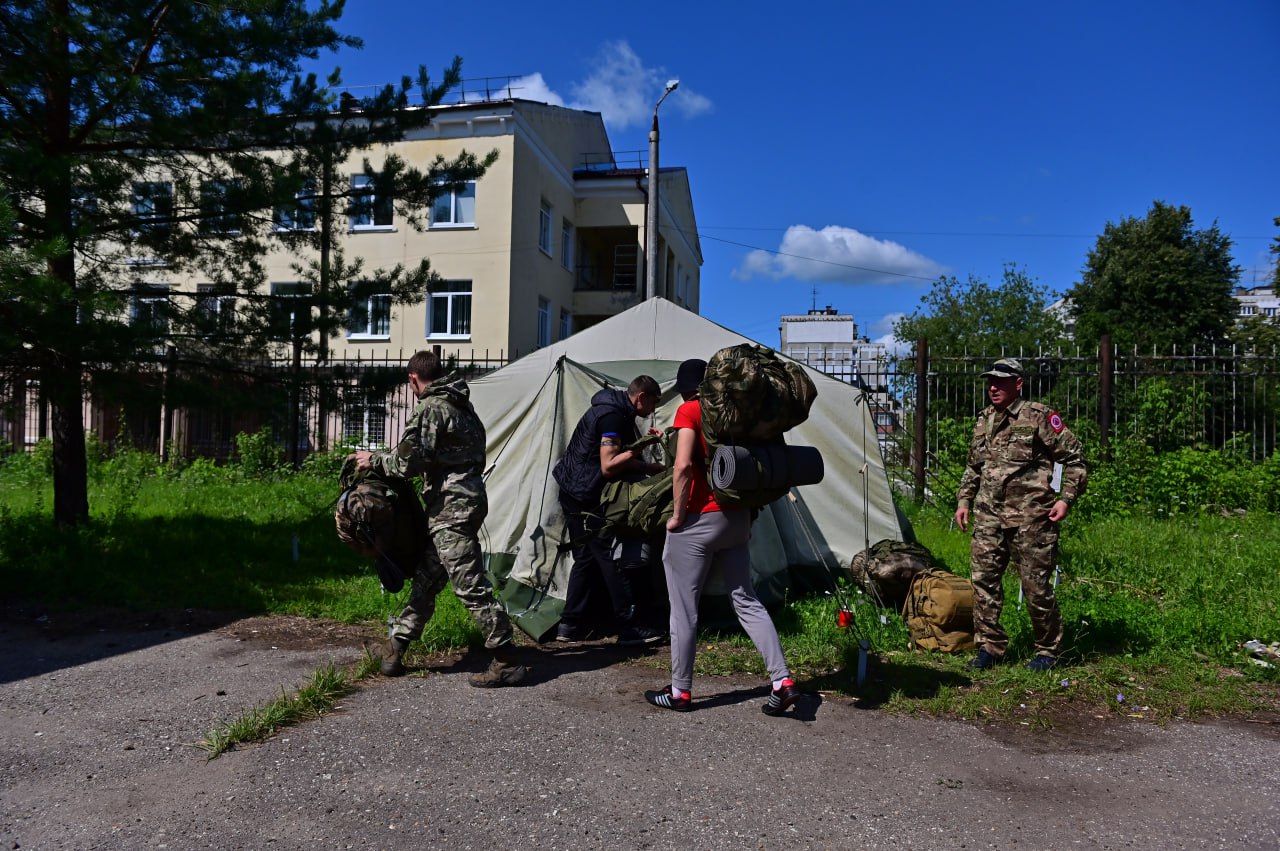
(672, 85)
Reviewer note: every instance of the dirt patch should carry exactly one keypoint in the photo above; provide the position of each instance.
(289, 632)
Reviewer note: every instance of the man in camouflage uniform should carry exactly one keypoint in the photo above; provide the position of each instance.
(1016, 512)
(444, 442)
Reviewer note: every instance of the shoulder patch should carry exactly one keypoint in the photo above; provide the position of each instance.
(1055, 422)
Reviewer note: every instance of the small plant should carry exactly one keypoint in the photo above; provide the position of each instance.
(258, 453)
(316, 698)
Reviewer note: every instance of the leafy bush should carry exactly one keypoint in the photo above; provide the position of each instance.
(258, 453)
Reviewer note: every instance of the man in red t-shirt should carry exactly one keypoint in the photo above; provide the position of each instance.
(702, 536)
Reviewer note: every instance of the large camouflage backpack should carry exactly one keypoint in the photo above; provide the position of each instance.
(640, 508)
(885, 570)
(381, 517)
(751, 397)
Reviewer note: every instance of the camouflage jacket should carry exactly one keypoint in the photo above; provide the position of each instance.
(444, 442)
(1011, 460)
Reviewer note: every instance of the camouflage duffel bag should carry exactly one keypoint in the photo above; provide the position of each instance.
(939, 612)
(885, 570)
(382, 519)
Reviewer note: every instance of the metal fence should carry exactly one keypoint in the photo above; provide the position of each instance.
(195, 411)
(924, 405)
(1218, 397)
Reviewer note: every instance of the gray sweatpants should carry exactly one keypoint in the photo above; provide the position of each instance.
(719, 540)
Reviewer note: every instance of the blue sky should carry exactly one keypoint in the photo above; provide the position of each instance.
(863, 149)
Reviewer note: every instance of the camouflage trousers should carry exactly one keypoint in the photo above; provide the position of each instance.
(453, 555)
(1034, 548)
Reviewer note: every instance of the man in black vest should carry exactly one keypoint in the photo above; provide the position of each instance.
(595, 454)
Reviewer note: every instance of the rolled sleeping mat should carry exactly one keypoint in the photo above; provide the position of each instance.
(766, 466)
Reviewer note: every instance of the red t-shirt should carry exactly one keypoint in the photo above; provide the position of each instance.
(701, 498)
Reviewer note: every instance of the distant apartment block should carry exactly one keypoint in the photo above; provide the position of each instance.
(1257, 301)
(828, 341)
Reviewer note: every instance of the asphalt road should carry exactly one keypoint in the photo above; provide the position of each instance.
(97, 736)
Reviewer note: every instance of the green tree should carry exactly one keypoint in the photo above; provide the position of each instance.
(973, 317)
(157, 141)
(1157, 282)
(324, 133)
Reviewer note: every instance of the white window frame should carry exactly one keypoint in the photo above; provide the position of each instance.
(145, 207)
(372, 314)
(143, 300)
(544, 227)
(284, 290)
(219, 302)
(291, 218)
(362, 185)
(566, 323)
(566, 244)
(544, 322)
(452, 296)
(457, 219)
(222, 222)
(369, 414)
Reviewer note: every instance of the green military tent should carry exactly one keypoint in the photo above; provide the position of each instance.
(531, 406)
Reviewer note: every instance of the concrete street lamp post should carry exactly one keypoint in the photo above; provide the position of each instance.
(651, 218)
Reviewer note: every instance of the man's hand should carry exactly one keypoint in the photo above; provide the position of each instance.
(674, 523)
(1059, 510)
(962, 518)
(654, 432)
(364, 460)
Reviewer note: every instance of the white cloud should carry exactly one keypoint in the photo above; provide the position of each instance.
(621, 88)
(838, 255)
(533, 87)
(884, 325)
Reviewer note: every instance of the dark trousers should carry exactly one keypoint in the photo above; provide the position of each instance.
(593, 563)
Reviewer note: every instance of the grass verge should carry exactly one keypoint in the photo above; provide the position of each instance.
(316, 698)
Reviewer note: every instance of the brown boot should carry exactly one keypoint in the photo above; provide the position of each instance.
(392, 657)
(502, 671)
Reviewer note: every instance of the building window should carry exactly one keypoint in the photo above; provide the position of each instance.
(290, 311)
(449, 310)
(544, 228)
(455, 209)
(301, 213)
(1269, 311)
(149, 310)
(217, 212)
(215, 309)
(566, 324)
(153, 207)
(566, 244)
(370, 314)
(368, 210)
(364, 420)
(1246, 310)
(544, 322)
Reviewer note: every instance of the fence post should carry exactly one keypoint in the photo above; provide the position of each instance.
(922, 415)
(1106, 372)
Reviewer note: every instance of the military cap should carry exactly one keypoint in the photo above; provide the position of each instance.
(1004, 368)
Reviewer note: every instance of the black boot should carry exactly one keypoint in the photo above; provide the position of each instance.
(392, 656)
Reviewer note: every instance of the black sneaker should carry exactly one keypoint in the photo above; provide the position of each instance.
(666, 700)
(983, 660)
(634, 636)
(1041, 663)
(569, 632)
(781, 698)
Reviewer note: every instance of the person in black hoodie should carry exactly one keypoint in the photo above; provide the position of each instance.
(594, 455)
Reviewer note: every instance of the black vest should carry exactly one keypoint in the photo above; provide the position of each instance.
(578, 470)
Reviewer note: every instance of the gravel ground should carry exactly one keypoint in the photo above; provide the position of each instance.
(97, 734)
